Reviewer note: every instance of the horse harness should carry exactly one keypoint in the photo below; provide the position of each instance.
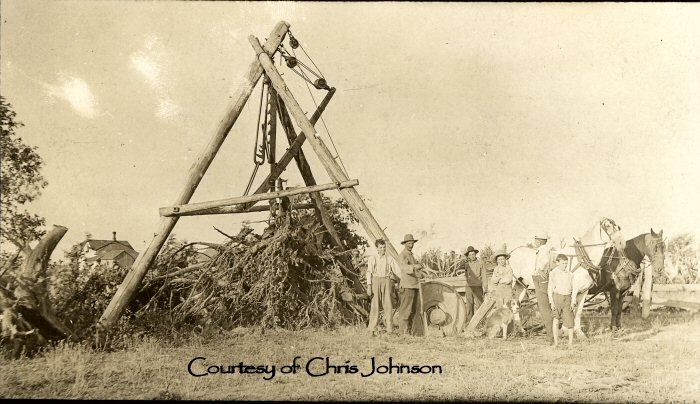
(584, 260)
(595, 270)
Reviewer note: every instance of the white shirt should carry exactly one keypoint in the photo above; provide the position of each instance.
(381, 267)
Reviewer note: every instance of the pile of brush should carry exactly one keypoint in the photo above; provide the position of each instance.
(287, 277)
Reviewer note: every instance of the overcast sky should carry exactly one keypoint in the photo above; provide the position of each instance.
(464, 123)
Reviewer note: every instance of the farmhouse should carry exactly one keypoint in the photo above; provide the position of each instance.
(110, 253)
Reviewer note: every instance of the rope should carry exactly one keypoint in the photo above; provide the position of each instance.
(585, 259)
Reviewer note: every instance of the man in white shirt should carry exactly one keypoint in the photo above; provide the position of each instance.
(380, 286)
(541, 281)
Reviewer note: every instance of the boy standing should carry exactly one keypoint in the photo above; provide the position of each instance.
(559, 293)
(380, 286)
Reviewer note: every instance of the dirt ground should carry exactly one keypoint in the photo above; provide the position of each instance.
(654, 360)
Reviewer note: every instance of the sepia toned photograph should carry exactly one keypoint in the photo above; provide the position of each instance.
(350, 201)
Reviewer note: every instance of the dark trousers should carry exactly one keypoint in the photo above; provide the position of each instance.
(474, 296)
(408, 307)
(543, 304)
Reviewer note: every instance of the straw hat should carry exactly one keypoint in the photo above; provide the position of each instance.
(501, 253)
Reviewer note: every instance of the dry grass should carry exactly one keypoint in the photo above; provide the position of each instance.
(658, 364)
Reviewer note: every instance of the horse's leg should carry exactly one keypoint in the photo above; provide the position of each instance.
(620, 301)
(614, 308)
(580, 300)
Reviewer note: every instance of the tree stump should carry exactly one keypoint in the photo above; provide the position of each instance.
(27, 318)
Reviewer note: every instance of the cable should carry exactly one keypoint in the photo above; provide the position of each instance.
(257, 136)
(252, 178)
(309, 57)
(323, 121)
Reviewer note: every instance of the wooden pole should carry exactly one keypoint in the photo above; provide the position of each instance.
(195, 207)
(369, 223)
(130, 285)
(308, 176)
(646, 290)
(227, 210)
(424, 320)
(636, 294)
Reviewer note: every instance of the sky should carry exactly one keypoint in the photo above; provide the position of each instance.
(465, 124)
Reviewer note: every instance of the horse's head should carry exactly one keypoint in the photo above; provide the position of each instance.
(655, 249)
(614, 233)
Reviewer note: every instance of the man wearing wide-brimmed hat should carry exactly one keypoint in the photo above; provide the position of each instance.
(541, 281)
(475, 272)
(409, 304)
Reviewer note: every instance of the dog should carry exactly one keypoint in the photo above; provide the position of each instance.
(501, 318)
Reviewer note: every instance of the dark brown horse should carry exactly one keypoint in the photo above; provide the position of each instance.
(617, 271)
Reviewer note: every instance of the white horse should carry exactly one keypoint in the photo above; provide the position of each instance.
(603, 233)
(525, 261)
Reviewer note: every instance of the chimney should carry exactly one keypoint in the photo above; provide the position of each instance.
(114, 235)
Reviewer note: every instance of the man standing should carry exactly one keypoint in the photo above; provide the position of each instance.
(500, 288)
(541, 281)
(475, 272)
(380, 286)
(410, 274)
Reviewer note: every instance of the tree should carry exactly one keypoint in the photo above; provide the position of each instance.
(682, 263)
(487, 253)
(21, 183)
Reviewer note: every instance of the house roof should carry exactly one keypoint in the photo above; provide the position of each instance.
(109, 249)
(99, 244)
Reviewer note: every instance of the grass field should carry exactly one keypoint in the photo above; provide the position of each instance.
(654, 360)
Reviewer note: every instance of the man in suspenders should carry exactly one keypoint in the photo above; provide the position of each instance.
(380, 286)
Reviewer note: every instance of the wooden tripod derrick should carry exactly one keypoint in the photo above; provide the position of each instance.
(284, 106)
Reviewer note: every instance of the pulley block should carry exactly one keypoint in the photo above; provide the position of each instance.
(321, 84)
(293, 42)
(291, 62)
